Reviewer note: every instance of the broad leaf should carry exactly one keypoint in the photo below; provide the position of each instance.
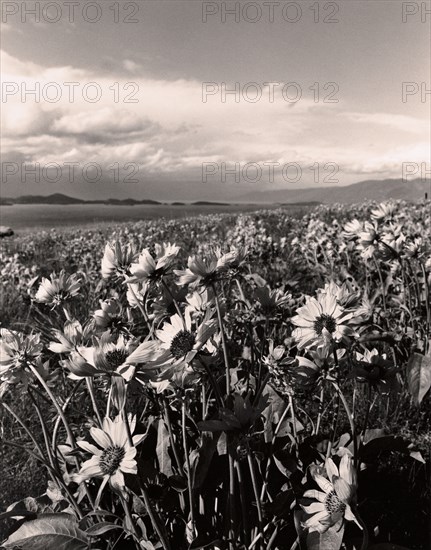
(59, 531)
(162, 449)
(101, 528)
(419, 376)
(330, 540)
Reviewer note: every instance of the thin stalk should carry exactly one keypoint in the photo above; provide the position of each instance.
(140, 307)
(364, 544)
(382, 284)
(256, 492)
(64, 407)
(261, 388)
(293, 417)
(128, 513)
(27, 431)
(61, 414)
(189, 476)
(204, 402)
(232, 514)
(367, 412)
(223, 341)
(319, 415)
(177, 307)
(334, 427)
(351, 421)
(90, 387)
(155, 523)
(45, 434)
(427, 299)
(52, 473)
(144, 493)
(274, 437)
(171, 437)
(213, 381)
(245, 524)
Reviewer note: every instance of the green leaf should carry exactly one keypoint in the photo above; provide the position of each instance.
(212, 426)
(419, 376)
(103, 527)
(330, 540)
(59, 531)
(206, 452)
(162, 449)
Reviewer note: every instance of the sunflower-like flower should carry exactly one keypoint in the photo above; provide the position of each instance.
(111, 358)
(151, 268)
(352, 229)
(337, 496)
(117, 259)
(71, 338)
(181, 341)
(59, 289)
(17, 350)
(136, 294)
(415, 248)
(393, 240)
(375, 369)
(384, 211)
(211, 268)
(321, 321)
(369, 240)
(199, 303)
(109, 316)
(271, 300)
(113, 457)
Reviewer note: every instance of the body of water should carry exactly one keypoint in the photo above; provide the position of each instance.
(27, 217)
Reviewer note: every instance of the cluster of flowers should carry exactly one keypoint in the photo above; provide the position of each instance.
(214, 337)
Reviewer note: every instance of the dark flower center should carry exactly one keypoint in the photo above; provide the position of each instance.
(111, 459)
(325, 321)
(115, 323)
(59, 297)
(182, 343)
(116, 357)
(333, 504)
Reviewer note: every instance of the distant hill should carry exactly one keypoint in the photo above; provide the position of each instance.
(56, 198)
(205, 203)
(378, 190)
(59, 198)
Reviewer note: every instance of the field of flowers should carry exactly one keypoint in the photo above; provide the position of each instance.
(255, 381)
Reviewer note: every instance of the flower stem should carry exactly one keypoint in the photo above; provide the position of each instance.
(319, 415)
(256, 492)
(351, 422)
(171, 437)
(90, 387)
(293, 417)
(223, 341)
(245, 524)
(364, 544)
(189, 476)
(154, 521)
(140, 306)
(61, 414)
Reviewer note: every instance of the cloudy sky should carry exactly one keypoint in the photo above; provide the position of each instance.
(132, 103)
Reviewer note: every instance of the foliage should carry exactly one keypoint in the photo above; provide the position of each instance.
(242, 388)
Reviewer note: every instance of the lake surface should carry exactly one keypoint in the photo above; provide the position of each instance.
(27, 217)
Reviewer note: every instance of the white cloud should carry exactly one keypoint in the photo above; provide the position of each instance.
(399, 122)
(170, 130)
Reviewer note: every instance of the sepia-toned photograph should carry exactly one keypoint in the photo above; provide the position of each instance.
(215, 275)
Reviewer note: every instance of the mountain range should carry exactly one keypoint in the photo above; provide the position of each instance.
(378, 190)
